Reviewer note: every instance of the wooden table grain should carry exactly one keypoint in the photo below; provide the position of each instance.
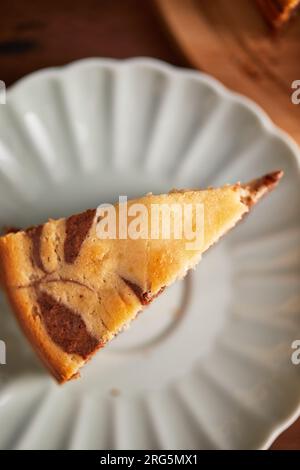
(233, 42)
(36, 34)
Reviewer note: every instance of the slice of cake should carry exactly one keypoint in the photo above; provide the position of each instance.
(73, 288)
(278, 12)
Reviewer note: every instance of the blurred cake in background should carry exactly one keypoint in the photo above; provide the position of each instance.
(278, 12)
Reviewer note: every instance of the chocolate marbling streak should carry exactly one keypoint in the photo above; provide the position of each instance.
(65, 327)
(144, 297)
(77, 228)
(35, 235)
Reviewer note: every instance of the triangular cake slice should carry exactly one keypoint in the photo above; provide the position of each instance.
(72, 291)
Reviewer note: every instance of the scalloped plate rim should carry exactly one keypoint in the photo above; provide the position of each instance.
(264, 120)
(165, 67)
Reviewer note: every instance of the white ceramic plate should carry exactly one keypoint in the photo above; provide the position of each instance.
(208, 365)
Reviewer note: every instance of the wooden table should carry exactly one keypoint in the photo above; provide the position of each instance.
(40, 34)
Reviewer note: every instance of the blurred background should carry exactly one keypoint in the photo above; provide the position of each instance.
(45, 34)
(231, 40)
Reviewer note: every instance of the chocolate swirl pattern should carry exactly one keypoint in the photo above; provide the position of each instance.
(35, 234)
(65, 327)
(77, 228)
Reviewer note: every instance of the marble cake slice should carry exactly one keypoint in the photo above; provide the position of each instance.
(72, 292)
